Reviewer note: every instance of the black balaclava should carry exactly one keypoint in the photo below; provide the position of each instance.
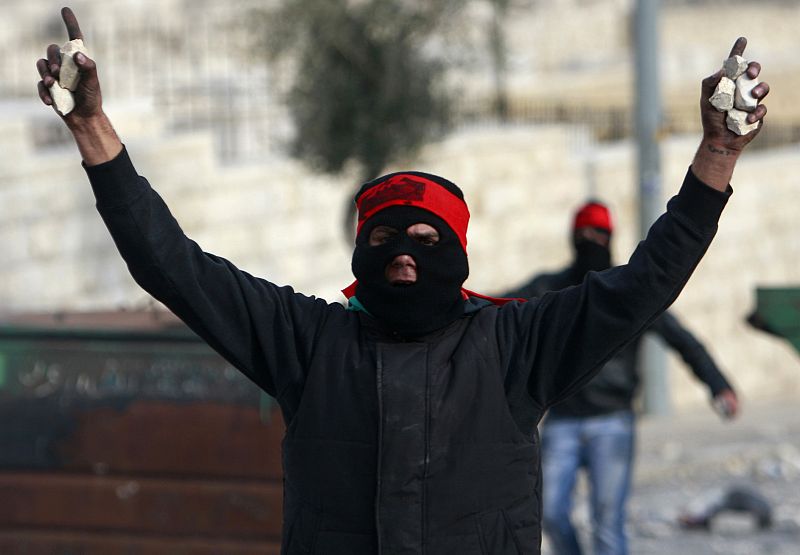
(591, 256)
(435, 299)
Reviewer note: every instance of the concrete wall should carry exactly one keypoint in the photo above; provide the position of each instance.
(280, 221)
(277, 219)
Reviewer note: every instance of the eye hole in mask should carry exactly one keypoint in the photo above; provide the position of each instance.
(422, 233)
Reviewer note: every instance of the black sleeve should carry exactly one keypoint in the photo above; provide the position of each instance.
(692, 351)
(264, 330)
(557, 342)
(536, 287)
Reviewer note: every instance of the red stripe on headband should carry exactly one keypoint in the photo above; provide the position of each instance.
(413, 190)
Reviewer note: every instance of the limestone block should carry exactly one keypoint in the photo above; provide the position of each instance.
(734, 67)
(69, 75)
(743, 99)
(62, 99)
(737, 122)
(723, 97)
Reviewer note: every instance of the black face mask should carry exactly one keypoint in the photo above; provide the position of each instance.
(589, 256)
(430, 303)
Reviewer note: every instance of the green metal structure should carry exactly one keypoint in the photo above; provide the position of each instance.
(778, 312)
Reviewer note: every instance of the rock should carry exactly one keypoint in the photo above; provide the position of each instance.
(723, 96)
(743, 99)
(734, 67)
(737, 122)
(62, 99)
(69, 76)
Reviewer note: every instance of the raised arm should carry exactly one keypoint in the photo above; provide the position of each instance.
(720, 148)
(92, 130)
(264, 330)
(564, 338)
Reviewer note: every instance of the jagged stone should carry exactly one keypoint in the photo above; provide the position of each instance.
(743, 99)
(69, 76)
(723, 96)
(737, 122)
(62, 99)
(734, 67)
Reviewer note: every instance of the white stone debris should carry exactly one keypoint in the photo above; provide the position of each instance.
(723, 96)
(733, 95)
(734, 67)
(743, 99)
(68, 77)
(737, 122)
(62, 99)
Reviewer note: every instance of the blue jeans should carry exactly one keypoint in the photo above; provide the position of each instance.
(603, 446)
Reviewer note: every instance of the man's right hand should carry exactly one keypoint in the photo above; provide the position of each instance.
(88, 101)
(93, 133)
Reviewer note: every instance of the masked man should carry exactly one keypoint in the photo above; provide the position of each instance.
(594, 428)
(411, 417)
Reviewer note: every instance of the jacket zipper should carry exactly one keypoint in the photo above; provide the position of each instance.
(379, 383)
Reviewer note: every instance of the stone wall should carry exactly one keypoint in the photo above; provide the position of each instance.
(276, 219)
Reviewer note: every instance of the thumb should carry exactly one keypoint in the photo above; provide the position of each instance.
(86, 66)
(711, 82)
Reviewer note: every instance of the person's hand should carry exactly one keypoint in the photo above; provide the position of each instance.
(715, 160)
(726, 404)
(94, 135)
(88, 100)
(715, 132)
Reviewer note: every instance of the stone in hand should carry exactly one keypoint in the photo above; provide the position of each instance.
(737, 122)
(734, 67)
(722, 99)
(68, 77)
(743, 99)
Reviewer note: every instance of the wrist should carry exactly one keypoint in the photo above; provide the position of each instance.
(714, 163)
(87, 124)
(96, 139)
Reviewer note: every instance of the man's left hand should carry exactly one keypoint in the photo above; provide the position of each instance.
(726, 404)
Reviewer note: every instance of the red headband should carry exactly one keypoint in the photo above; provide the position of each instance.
(414, 190)
(593, 214)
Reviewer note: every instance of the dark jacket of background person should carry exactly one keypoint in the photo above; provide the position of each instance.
(615, 387)
(397, 445)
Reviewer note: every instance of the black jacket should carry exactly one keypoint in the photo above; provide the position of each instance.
(615, 386)
(406, 447)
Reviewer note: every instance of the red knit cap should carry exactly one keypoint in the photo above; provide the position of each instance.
(593, 214)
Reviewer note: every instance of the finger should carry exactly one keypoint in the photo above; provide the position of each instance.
(753, 69)
(44, 94)
(761, 90)
(738, 47)
(757, 114)
(41, 67)
(84, 63)
(54, 59)
(44, 73)
(87, 67)
(71, 22)
(710, 83)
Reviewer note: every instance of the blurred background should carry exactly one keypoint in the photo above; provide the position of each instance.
(257, 121)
